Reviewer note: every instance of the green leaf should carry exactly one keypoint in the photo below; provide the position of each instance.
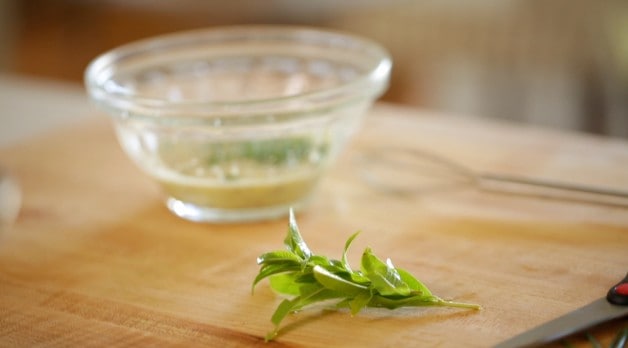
(358, 277)
(331, 265)
(279, 256)
(337, 265)
(285, 307)
(294, 242)
(284, 283)
(319, 260)
(414, 284)
(311, 293)
(272, 269)
(384, 278)
(333, 282)
(360, 301)
(305, 278)
(345, 261)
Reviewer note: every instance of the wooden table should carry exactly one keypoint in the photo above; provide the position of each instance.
(95, 258)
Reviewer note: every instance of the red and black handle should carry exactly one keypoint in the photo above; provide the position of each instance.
(618, 294)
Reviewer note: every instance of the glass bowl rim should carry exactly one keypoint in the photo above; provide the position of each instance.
(369, 84)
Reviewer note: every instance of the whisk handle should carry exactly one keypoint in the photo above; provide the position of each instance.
(483, 178)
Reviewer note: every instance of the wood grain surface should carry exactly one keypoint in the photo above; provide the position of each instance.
(95, 258)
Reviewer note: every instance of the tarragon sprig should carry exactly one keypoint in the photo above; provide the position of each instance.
(308, 278)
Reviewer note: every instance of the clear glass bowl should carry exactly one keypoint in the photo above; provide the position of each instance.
(238, 123)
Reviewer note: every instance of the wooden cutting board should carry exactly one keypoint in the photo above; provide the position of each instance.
(95, 258)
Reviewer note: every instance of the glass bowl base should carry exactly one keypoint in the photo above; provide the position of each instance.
(199, 213)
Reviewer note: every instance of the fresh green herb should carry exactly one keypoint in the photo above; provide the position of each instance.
(270, 152)
(309, 278)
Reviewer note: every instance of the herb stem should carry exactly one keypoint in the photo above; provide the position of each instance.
(454, 304)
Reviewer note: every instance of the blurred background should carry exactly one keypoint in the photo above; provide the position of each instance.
(554, 63)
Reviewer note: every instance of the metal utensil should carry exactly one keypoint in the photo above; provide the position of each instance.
(613, 306)
(408, 171)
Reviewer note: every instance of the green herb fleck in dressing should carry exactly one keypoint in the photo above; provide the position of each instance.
(243, 174)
